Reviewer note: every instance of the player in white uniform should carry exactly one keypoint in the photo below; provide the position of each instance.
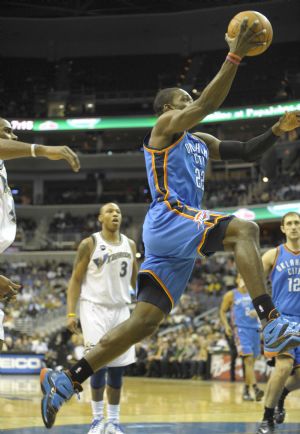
(104, 270)
(10, 148)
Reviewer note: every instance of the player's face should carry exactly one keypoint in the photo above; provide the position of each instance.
(111, 217)
(181, 99)
(6, 131)
(291, 227)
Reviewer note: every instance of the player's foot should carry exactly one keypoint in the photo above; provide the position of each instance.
(266, 427)
(57, 388)
(280, 335)
(97, 426)
(113, 428)
(279, 415)
(246, 394)
(258, 394)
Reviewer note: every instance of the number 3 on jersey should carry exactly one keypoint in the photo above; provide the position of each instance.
(123, 271)
(200, 175)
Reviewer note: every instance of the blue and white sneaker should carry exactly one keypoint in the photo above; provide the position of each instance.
(57, 388)
(97, 426)
(280, 335)
(113, 428)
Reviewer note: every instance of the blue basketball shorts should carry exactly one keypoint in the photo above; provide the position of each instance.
(294, 352)
(247, 341)
(173, 239)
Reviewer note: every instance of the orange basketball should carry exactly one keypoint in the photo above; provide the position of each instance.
(264, 23)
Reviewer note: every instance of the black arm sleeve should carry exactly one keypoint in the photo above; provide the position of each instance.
(247, 151)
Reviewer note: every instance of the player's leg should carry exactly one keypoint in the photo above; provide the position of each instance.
(242, 237)
(283, 368)
(113, 391)
(292, 383)
(249, 376)
(59, 387)
(97, 383)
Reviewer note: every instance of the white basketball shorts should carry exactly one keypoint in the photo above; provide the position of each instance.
(1, 325)
(97, 320)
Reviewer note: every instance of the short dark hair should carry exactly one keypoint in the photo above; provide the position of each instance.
(164, 96)
(288, 214)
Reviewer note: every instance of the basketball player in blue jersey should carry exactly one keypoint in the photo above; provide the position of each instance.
(177, 229)
(246, 332)
(282, 265)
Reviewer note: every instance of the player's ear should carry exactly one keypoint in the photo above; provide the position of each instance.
(100, 218)
(282, 229)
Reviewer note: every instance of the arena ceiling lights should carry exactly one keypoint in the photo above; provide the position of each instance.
(111, 123)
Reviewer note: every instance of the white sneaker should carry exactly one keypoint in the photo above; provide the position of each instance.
(97, 426)
(113, 428)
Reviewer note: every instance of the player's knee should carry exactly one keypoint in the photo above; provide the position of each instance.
(98, 379)
(284, 365)
(247, 230)
(115, 377)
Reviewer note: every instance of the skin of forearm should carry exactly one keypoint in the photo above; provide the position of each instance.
(10, 149)
(215, 93)
(73, 295)
(223, 318)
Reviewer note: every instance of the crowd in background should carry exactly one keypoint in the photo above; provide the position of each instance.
(180, 349)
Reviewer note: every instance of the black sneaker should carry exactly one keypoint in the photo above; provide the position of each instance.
(246, 395)
(279, 415)
(266, 427)
(259, 394)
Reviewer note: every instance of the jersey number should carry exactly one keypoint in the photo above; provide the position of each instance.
(123, 271)
(294, 284)
(200, 175)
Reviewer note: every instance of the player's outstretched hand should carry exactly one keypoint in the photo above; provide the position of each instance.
(62, 153)
(72, 325)
(245, 39)
(8, 289)
(289, 121)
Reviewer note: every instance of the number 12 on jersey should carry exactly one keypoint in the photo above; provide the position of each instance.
(294, 284)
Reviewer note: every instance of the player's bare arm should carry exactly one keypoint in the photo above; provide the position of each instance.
(191, 113)
(11, 149)
(254, 148)
(268, 260)
(82, 260)
(226, 305)
(134, 265)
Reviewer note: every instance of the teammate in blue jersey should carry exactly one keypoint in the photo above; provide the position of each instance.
(282, 265)
(177, 229)
(246, 331)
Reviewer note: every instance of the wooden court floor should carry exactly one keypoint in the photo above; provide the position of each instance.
(148, 406)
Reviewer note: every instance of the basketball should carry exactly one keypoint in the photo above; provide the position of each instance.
(264, 23)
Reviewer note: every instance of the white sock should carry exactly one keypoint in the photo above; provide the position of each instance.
(97, 409)
(113, 413)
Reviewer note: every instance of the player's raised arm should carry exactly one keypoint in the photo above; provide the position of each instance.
(224, 308)
(252, 149)
(212, 97)
(11, 149)
(74, 288)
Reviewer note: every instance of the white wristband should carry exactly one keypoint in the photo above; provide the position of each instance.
(33, 154)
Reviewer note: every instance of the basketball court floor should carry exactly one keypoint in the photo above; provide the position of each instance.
(149, 406)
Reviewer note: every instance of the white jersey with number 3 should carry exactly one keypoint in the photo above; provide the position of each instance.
(108, 276)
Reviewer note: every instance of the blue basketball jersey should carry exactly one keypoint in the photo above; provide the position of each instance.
(242, 305)
(285, 279)
(176, 173)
